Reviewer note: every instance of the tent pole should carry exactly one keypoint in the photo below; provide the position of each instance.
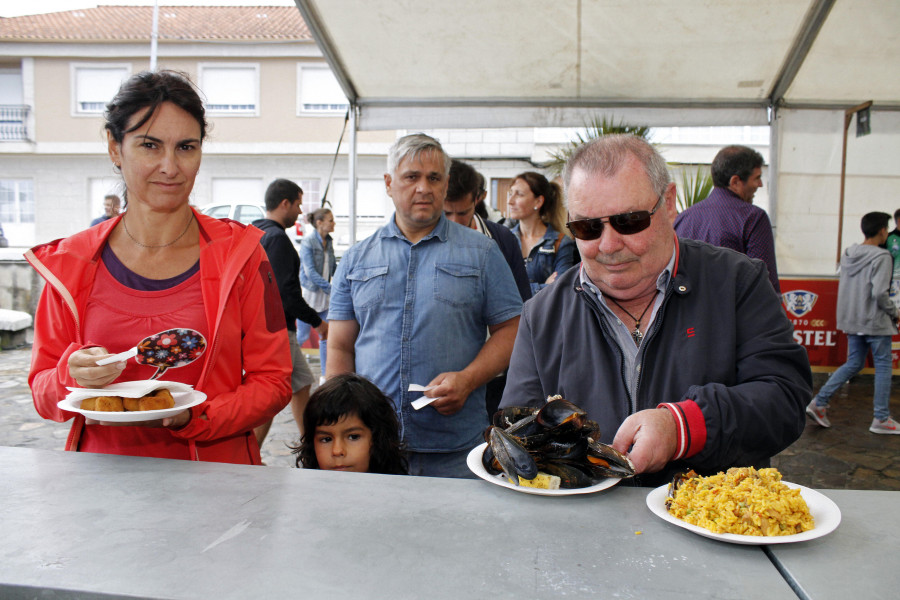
(774, 140)
(848, 117)
(351, 172)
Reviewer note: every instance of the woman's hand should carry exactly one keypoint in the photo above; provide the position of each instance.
(552, 278)
(84, 370)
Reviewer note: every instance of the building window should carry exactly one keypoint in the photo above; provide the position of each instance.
(312, 196)
(231, 89)
(372, 201)
(233, 190)
(13, 112)
(319, 92)
(16, 201)
(94, 85)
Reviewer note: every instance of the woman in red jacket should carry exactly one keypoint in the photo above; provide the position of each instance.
(196, 295)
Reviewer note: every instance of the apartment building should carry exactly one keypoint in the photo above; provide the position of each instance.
(274, 109)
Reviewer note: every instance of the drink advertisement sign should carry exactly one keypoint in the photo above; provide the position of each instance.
(811, 305)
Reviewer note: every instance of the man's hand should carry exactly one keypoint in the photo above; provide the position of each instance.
(84, 370)
(451, 389)
(652, 437)
(322, 330)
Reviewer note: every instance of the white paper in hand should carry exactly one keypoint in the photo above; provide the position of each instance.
(424, 400)
(128, 389)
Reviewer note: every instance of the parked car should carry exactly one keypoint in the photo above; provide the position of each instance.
(246, 214)
(242, 213)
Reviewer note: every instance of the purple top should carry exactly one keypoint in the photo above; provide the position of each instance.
(724, 220)
(130, 279)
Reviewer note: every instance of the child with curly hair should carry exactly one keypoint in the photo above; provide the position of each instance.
(350, 425)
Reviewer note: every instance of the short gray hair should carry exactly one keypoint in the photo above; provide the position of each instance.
(412, 146)
(606, 155)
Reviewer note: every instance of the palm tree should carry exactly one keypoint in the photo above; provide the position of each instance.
(695, 186)
(597, 127)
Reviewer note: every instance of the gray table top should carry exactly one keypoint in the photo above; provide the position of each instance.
(860, 559)
(85, 524)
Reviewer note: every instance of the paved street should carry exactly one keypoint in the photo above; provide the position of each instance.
(846, 456)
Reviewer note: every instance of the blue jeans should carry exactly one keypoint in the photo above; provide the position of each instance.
(303, 330)
(440, 464)
(857, 348)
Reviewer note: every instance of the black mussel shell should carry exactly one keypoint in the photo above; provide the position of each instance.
(677, 482)
(606, 461)
(512, 457)
(569, 449)
(570, 475)
(525, 427)
(561, 415)
(591, 429)
(509, 415)
(489, 461)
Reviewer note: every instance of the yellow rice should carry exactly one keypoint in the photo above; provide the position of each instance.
(744, 501)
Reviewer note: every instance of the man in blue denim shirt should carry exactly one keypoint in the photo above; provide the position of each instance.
(412, 304)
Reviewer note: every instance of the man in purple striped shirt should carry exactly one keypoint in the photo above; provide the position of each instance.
(727, 217)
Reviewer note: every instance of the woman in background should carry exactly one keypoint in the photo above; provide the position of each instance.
(317, 266)
(537, 206)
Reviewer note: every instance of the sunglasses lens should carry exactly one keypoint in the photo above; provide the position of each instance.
(630, 223)
(586, 229)
(625, 223)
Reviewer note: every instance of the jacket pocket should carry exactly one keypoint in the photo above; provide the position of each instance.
(367, 286)
(457, 285)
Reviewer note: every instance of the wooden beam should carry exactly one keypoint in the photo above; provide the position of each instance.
(848, 118)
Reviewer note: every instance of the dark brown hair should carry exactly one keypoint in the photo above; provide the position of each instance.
(149, 90)
(552, 210)
(735, 160)
(352, 394)
(318, 215)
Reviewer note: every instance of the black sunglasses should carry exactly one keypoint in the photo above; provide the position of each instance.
(624, 223)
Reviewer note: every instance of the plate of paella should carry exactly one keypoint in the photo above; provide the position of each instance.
(717, 510)
(473, 460)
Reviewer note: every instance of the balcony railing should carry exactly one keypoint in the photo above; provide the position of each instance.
(14, 122)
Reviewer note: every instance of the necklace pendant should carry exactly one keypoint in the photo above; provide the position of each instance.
(637, 336)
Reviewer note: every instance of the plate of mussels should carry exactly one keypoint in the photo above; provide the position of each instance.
(552, 450)
(474, 462)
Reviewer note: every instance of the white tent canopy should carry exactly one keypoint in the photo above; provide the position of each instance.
(495, 63)
(407, 64)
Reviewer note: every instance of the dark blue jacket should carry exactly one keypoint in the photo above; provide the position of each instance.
(546, 258)
(512, 252)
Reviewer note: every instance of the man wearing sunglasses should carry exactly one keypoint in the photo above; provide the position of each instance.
(727, 217)
(681, 351)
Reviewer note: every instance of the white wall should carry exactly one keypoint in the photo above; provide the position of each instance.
(809, 169)
(62, 191)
